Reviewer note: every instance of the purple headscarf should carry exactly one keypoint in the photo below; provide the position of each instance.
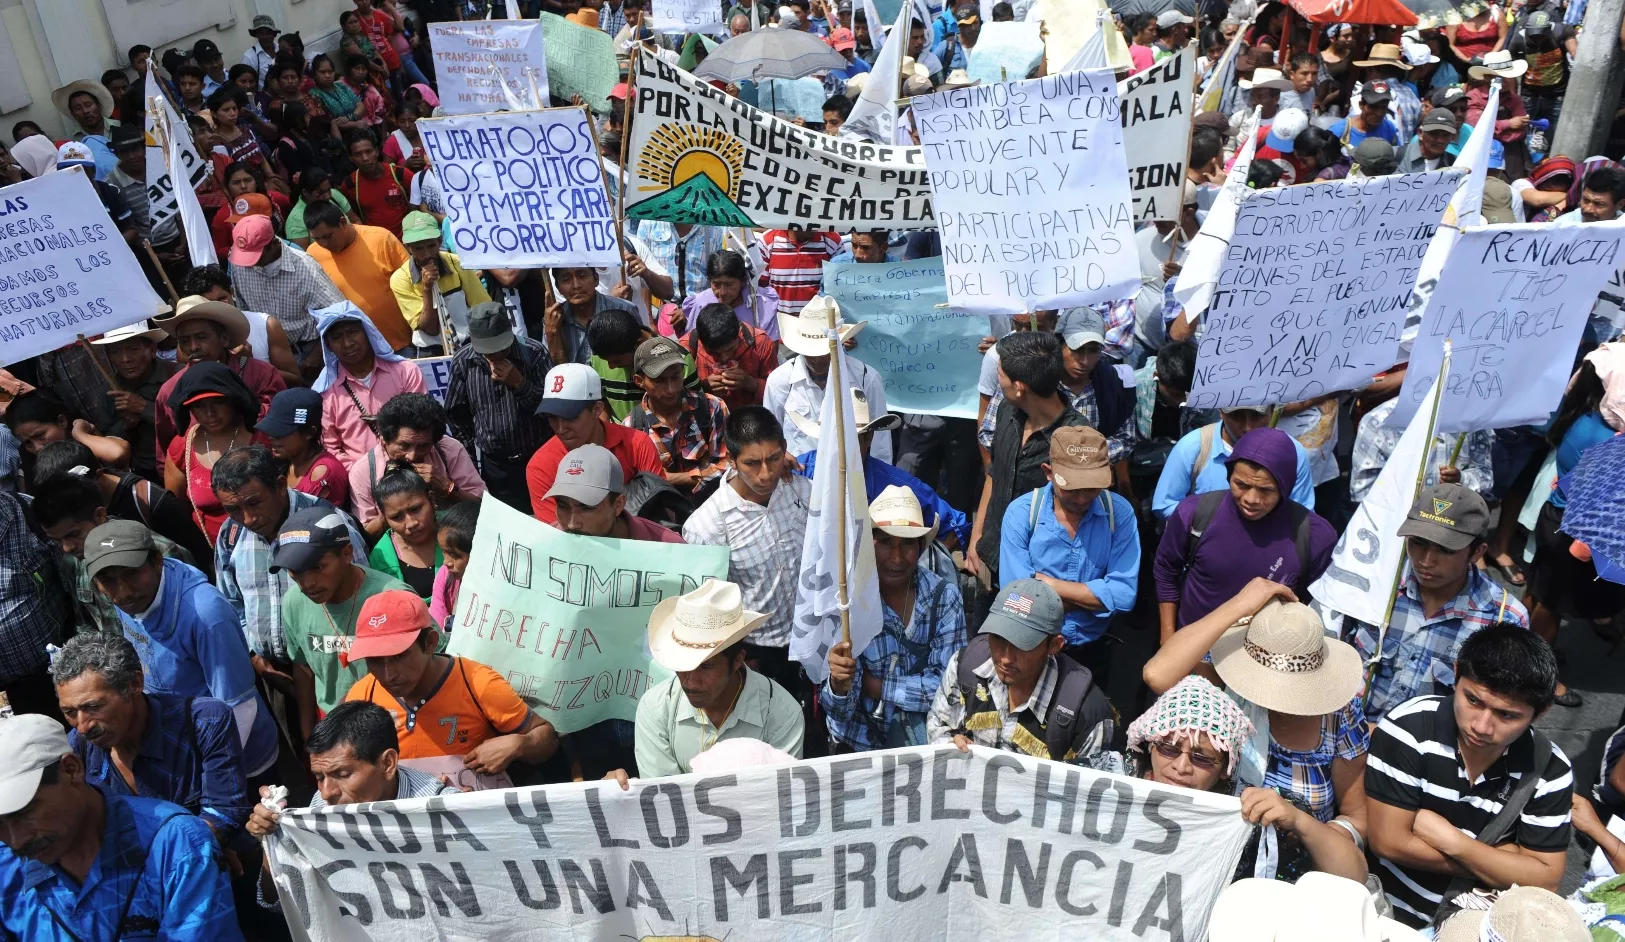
(1272, 450)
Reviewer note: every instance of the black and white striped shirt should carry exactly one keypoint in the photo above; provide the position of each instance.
(1414, 764)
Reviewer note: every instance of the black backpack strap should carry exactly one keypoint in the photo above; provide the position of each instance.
(1206, 506)
(1075, 709)
(972, 656)
(1301, 532)
(1502, 823)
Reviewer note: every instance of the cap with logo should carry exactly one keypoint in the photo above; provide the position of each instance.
(292, 410)
(249, 204)
(75, 154)
(489, 329)
(1449, 515)
(587, 475)
(249, 237)
(123, 543)
(841, 39)
(657, 355)
(1376, 93)
(570, 388)
(1439, 119)
(204, 50)
(419, 226)
(387, 625)
(306, 536)
(1079, 458)
(1025, 613)
(1538, 22)
(31, 743)
(1082, 325)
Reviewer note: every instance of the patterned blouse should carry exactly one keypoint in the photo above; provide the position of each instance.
(1307, 776)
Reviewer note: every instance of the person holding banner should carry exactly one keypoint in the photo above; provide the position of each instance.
(903, 667)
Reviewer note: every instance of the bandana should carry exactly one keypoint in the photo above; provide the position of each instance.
(1194, 706)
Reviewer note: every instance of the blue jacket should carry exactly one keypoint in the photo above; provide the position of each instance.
(191, 645)
(878, 475)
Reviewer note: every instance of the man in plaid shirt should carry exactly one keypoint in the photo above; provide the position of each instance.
(902, 668)
(686, 427)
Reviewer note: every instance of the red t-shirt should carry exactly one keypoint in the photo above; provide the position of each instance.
(382, 201)
(633, 447)
(378, 26)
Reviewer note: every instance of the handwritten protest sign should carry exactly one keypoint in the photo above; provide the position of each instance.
(580, 61)
(468, 56)
(1156, 107)
(523, 189)
(926, 356)
(701, 157)
(1005, 52)
(436, 376)
(65, 269)
(1068, 24)
(1312, 292)
(565, 617)
(794, 98)
(688, 16)
(1032, 193)
(1513, 300)
(908, 845)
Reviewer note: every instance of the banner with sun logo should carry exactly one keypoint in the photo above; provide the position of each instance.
(700, 157)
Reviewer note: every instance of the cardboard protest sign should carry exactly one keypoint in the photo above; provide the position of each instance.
(1156, 108)
(1068, 24)
(1032, 193)
(926, 355)
(564, 617)
(469, 55)
(65, 269)
(688, 16)
(1513, 300)
(908, 845)
(580, 61)
(1312, 291)
(1005, 52)
(793, 98)
(701, 157)
(436, 376)
(524, 189)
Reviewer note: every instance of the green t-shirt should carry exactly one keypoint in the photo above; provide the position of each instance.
(294, 226)
(317, 633)
(621, 393)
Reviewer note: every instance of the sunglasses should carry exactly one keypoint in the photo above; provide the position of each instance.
(1172, 752)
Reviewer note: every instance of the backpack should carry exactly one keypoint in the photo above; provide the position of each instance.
(1075, 708)
(650, 497)
(1208, 504)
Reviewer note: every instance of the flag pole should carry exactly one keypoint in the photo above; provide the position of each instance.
(843, 484)
(626, 138)
(620, 227)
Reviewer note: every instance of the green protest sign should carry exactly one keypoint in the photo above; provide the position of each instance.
(564, 618)
(580, 61)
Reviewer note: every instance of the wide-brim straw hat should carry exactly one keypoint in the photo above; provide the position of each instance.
(96, 90)
(1283, 660)
(897, 511)
(1385, 54)
(197, 307)
(806, 333)
(1320, 907)
(1499, 65)
(1266, 78)
(687, 630)
(130, 332)
(1521, 914)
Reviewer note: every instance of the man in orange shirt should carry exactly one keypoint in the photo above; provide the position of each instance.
(571, 402)
(455, 717)
(360, 260)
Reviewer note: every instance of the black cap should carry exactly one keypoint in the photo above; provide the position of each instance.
(292, 410)
(204, 49)
(306, 536)
(1376, 92)
(128, 135)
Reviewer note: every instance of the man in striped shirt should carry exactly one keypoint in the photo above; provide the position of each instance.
(1441, 769)
(795, 265)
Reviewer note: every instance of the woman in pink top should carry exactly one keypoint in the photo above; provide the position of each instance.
(456, 542)
(361, 374)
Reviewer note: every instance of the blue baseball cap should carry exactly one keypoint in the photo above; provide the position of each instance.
(292, 410)
(1026, 613)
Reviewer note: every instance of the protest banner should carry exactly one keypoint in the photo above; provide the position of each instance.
(1005, 52)
(925, 844)
(701, 157)
(1032, 193)
(469, 56)
(1156, 108)
(926, 355)
(1068, 24)
(1311, 293)
(163, 202)
(565, 617)
(580, 61)
(524, 189)
(688, 16)
(436, 376)
(65, 269)
(794, 98)
(1513, 300)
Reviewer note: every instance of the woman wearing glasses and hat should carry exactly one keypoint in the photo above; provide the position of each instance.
(215, 413)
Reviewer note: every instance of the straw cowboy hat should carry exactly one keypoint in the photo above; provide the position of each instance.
(96, 90)
(138, 329)
(896, 510)
(1498, 65)
(1385, 54)
(860, 415)
(1320, 907)
(1521, 914)
(958, 78)
(686, 631)
(195, 307)
(807, 333)
(1266, 78)
(1283, 660)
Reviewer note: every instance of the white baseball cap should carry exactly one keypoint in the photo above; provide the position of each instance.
(33, 742)
(1169, 18)
(568, 389)
(587, 475)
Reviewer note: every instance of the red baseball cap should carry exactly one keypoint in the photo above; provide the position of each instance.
(249, 237)
(842, 39)
(619, 92)
(251, 204)
(388, 624)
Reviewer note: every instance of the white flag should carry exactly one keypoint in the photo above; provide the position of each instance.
(874, 114)
(817, 625)
(1466, 209)
(1092, 54)
(163, 123)
(1365, 567)
(1200, 276)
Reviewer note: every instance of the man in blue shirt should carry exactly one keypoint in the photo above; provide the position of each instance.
(80, 864)
(1372, 121)
(1079, 539)
(1196, 463)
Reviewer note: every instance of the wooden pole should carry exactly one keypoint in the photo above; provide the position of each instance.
(620, 226)
(174, 296)
(837, 388)
(625, 179)
(1275, 415)
(112, 381)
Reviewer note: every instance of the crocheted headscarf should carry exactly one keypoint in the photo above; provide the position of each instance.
(1194, 706)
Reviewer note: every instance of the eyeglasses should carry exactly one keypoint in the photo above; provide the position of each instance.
(1172, 752)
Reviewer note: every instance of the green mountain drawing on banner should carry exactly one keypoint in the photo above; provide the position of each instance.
(698, 201)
